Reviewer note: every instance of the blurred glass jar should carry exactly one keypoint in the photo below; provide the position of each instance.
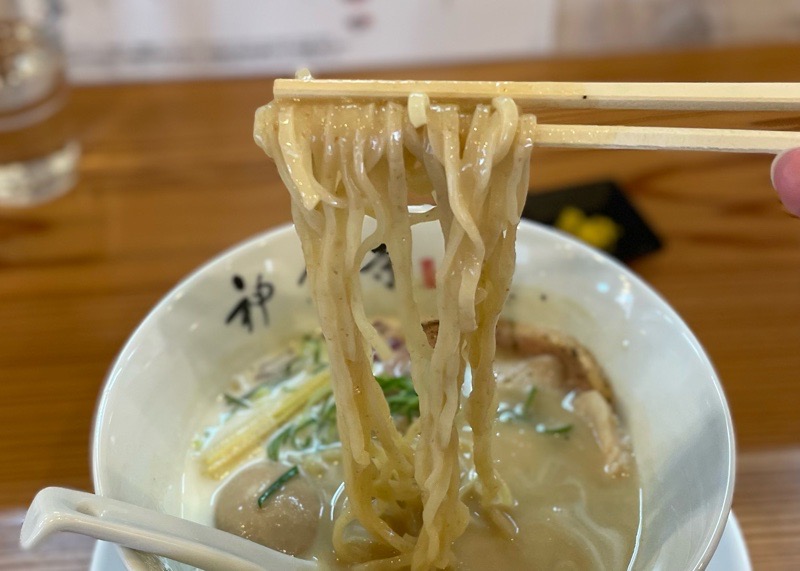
(38, 158)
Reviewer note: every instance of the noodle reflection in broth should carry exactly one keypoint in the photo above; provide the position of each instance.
(341, 163)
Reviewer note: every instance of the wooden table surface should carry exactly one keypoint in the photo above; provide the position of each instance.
(170, 177)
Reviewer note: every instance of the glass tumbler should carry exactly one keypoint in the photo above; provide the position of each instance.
(38, 158)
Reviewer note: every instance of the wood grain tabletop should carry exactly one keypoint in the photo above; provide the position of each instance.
(170, 177)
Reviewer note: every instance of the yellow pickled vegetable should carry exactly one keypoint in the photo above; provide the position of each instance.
(242, 434)
(597, 230)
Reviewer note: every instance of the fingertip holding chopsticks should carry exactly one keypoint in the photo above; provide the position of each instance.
(541, 95)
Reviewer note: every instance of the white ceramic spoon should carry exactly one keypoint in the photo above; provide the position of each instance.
(59, 509)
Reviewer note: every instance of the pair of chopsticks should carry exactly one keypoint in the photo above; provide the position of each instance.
(535, 96)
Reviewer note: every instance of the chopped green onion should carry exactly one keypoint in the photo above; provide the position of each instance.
(274, 446)
(297, 431)
(237, 402)
(328, 411)
(397, 399)
(529, 401)
(561, 429)
(327, 433)
(400, 395)
(306, 422)
(277, 484)
(412, 409)
(404, 404)
(255, 390)
(395, 383)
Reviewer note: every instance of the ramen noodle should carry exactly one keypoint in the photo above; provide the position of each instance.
(341, 163)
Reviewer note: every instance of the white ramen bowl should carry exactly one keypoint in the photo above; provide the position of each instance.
(668, 395)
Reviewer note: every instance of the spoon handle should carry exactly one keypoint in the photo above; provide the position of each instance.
(60, 509)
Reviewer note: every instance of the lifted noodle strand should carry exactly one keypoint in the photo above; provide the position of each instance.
(341, 163)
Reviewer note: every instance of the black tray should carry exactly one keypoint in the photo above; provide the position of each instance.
(605, 198)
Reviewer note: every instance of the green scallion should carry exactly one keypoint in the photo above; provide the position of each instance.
(389, 384)
(328, 412)
(277, 485)
(560, 429)
(526, 407)
(298, 432)
(274, 446)
(255, 390)
(236, 402)
(400, 395)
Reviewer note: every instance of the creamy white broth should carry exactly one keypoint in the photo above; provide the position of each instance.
(570, 514)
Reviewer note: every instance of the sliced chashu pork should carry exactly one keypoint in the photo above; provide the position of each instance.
(547, 358)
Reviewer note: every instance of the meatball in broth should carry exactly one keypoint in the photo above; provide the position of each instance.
(286, 521)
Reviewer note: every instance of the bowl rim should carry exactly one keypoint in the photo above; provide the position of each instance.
(186, 281)
(525, 226)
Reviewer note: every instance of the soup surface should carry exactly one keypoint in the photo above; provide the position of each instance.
(272, 472)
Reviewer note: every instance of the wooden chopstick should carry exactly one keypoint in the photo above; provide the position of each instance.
(539, 95)
(665, 138)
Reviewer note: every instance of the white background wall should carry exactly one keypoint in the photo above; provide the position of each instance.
(585, 25)
(131, 39)
(112, 40)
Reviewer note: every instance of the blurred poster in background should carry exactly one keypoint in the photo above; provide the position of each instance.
(124, 40)
(585, 26)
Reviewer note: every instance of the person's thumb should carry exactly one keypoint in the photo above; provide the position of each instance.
(786, 179)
